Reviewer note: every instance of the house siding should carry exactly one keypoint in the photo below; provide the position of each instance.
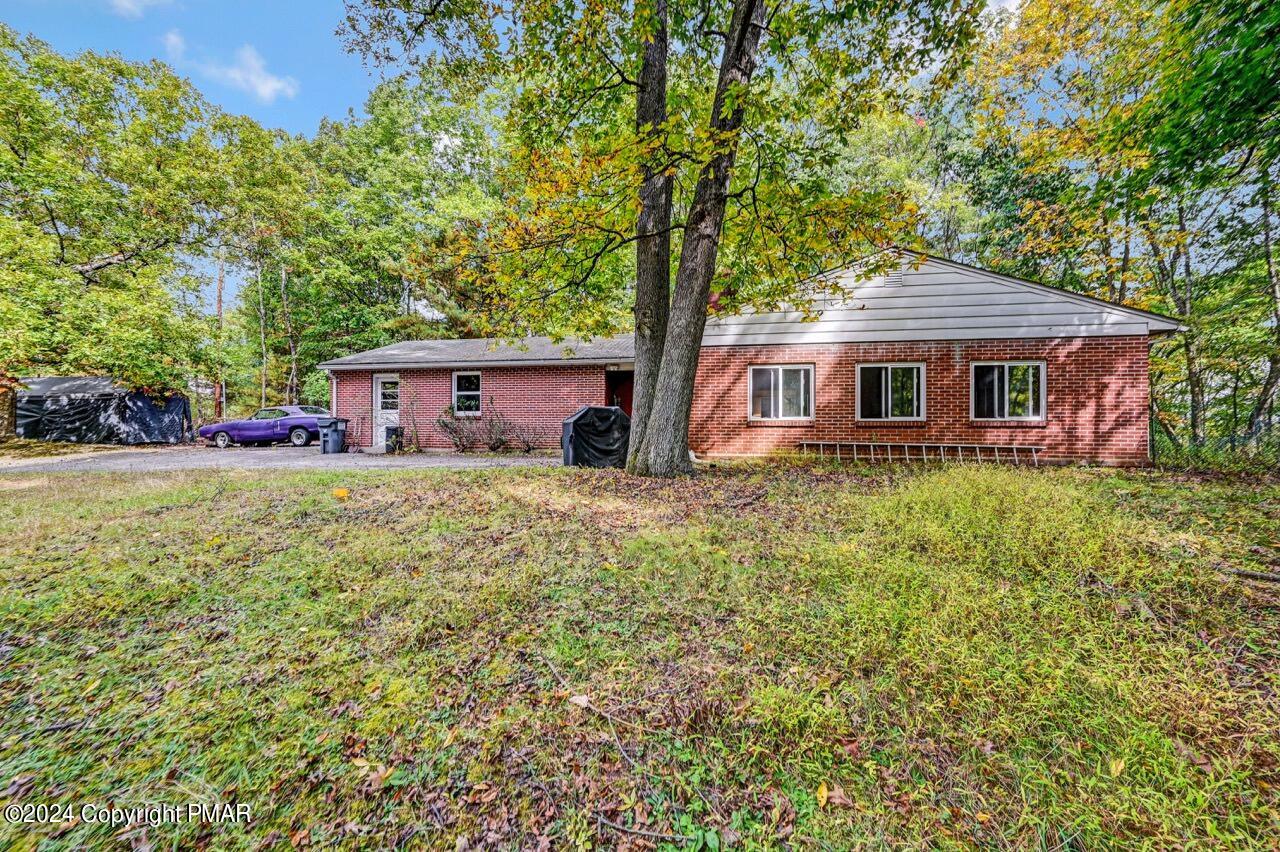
(936, 301)
(540, 397)
(1096, 397)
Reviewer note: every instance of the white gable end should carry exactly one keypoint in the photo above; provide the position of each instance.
(939, 300)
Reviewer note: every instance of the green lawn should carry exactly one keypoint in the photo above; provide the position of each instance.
(757, 657)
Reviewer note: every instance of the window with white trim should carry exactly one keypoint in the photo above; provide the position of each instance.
(466, 394)
(781, 392)
(389, 394)
(891, 392)
(1007, 390)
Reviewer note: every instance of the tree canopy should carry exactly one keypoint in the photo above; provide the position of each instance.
(612, 167)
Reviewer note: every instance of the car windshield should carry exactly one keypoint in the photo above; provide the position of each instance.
(311, 409)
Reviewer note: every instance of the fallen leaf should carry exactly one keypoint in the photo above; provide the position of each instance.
(1191, 755)
(342, 493)
(378, 777)
(1117, 766)
(837, 798)
(821, 795)
(19, 785)
(580, 700)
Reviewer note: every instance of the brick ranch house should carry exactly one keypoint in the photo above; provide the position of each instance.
(932, 353)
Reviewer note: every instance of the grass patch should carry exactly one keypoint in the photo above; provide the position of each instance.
(760, 655)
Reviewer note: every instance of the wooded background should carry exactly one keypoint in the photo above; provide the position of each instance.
(494, 186)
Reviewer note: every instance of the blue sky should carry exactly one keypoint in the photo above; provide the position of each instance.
(274, 60)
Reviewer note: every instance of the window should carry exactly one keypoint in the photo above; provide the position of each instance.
(466, 394)
(268, 414)
(314, 409)
(781, 393)
(891, 391)
(389, 394)
(1009, 390)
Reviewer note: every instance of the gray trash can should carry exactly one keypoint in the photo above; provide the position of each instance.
(333, 434)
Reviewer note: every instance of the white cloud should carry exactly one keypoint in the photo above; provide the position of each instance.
(248, 73)
(175, 45)
(134, 8)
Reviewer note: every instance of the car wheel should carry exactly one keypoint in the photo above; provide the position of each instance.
(222, 440)
(299, 437)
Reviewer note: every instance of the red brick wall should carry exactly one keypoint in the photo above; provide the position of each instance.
(353, 399)
(539, 396)
(1096, 397)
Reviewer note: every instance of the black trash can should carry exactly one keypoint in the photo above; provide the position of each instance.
(395, 438)
(596, 436)
(333, 434)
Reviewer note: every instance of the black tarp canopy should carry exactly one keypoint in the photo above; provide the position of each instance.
(596, 437)
(95, 410)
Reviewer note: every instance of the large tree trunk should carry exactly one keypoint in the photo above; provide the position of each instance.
(1269, 384)
(262, 335)
(219, 394)
(665, 448)
(1195, 388)
(291, 386)
(1181, 294)
(1195, 368)
(653, 229)
(8, 410)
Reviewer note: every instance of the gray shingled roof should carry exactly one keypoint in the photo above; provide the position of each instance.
(487, 352)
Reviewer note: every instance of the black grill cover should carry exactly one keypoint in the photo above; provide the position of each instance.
(93, 410)
(596, 437)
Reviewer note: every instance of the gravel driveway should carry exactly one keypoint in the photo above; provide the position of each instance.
(151, 459)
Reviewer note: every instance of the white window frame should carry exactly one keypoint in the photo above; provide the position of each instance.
(813, 392)
(924, 395)
(973, 387)
(478, 394)
(378, 379)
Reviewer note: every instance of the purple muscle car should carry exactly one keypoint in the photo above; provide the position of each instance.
(293, 423)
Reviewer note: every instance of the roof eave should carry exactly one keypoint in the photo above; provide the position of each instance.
(1101, 303)
(474, 365)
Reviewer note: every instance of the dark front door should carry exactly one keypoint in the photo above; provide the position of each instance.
(617, 389)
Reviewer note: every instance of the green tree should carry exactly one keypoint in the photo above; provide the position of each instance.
(341, 249)
(112, 173)
(1209, 98)
(1071, 108)
(723, 116)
